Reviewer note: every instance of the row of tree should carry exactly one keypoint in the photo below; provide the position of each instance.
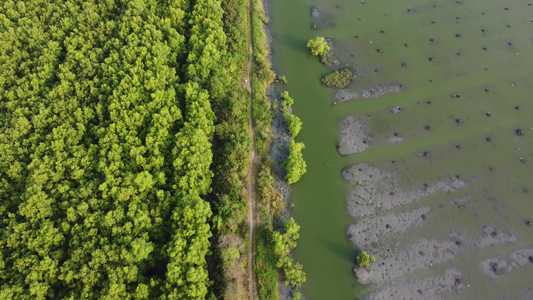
(295, 165)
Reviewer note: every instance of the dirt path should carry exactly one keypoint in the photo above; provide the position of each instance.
(252, 154)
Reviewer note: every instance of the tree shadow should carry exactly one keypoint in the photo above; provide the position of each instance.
(295, 43)
(345, 252)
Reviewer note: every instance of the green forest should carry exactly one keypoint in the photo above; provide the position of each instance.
(124, 147)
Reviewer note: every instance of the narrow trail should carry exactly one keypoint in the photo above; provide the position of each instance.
(252, 154)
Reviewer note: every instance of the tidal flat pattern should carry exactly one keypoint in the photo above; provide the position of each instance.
(433, 141)
(452, 147)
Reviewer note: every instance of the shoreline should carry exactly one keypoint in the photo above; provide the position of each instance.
(278, 149)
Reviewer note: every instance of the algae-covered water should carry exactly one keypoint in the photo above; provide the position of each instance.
(465, 68)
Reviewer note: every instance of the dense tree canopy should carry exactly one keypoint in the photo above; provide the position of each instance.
(106, 129)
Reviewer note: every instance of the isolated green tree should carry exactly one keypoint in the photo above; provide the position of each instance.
(364, 260)
(318, 46)
(295, 164)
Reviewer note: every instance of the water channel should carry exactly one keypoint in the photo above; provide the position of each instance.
(465, 69)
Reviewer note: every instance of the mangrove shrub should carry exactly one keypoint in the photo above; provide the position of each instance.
(364, 260)
(318, 46)
(295, 164)
(338, 79)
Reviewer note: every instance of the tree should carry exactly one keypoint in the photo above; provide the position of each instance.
(287, 100)
(283, 244)
(295, 164)
(295, 124)
(364, 260)
(318, 46)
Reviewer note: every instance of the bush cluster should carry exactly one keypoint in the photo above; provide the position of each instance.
(283, 244)
(338, 79)
(364, 260)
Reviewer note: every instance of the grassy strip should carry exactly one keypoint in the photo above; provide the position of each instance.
(231, 154)
(265, 264)
(270, 200)
(262, 77)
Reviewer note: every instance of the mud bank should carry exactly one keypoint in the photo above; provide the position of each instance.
(496, 268)
(279, 149)
(431, 288)
(321, 18)
(385, 218)
(372, 92)
(354, 137)
(376, 190)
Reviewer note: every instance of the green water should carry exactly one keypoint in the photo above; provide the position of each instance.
(501, 183)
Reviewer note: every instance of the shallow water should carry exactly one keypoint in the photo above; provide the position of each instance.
(499, 172)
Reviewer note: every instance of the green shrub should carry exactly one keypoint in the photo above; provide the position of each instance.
(338, 79)
(295, 164)
(262, 77)
(364, 260)
(283, 244)
(270, 200)
(318, 46)
(265, 265)
(295, 124)
(287, 100)
(281, 79)
(230, 255)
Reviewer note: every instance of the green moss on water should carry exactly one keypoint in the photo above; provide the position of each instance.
(338, 79)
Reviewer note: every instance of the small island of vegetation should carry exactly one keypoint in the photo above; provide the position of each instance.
(319, 47)
(338, 79)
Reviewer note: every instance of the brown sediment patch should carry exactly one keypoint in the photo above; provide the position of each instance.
(377, 91)
(372, 92)
(426, 289)
(392, 263)
(286, 292)
(388, 225)
(382, 188)
(330, 58)
(395, 138)
(492, 236)
(496, 268)
(354, 137)
(315, 13)
(321, 18)
(396, 110)
(379, 230)
(345, 95)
